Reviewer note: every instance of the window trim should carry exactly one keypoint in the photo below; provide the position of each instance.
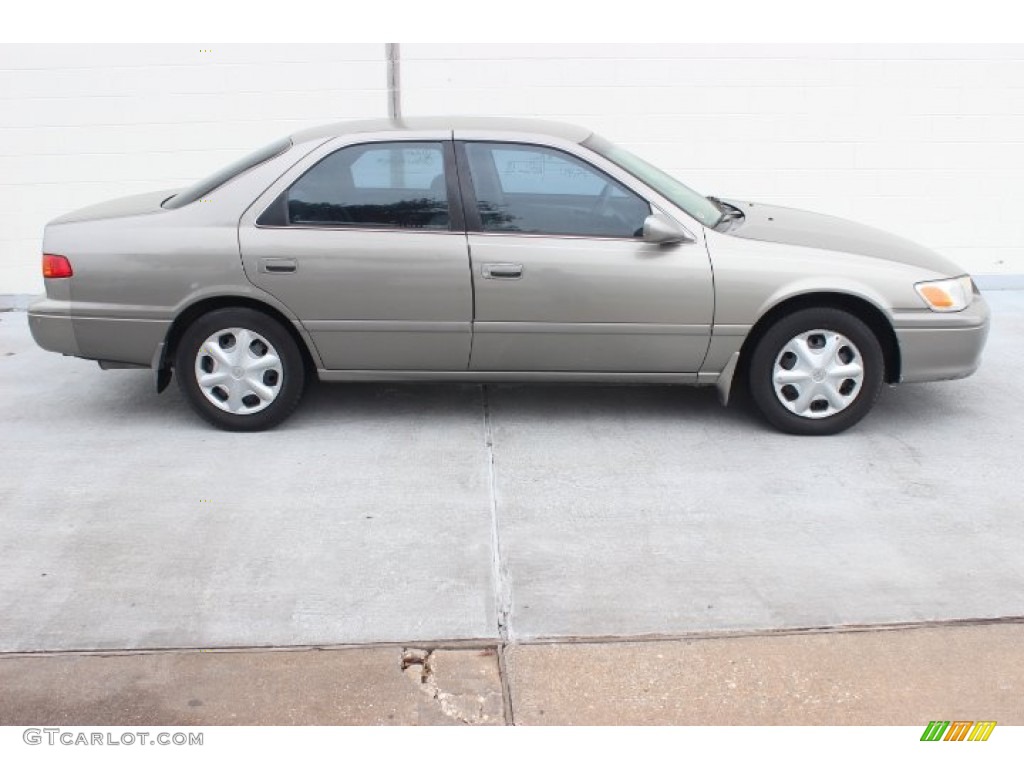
(474, 222)
(210, 184)
(456, 217)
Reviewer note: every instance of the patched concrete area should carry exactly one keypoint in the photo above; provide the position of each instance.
(357, 686)
(900, 677)
(625, 511)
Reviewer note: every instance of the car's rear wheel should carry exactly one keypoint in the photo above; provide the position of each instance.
(816, 372)
(240, 369)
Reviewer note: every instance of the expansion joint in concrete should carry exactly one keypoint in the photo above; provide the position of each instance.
(500, 576)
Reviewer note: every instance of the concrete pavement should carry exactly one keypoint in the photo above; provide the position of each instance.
(905, 676)
(627, 512)
(372, 515)
(128, 524)
(359, 686)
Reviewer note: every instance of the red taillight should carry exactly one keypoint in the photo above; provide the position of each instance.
(56, 266)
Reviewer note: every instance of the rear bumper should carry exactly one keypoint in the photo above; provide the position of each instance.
(131, 341)
(936, 347)
(49, 322)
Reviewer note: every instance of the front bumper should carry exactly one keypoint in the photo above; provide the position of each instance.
(938, 346)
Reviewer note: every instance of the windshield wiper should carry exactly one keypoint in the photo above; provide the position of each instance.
(729, 212)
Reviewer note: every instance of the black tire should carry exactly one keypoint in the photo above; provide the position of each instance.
(289, 376)
(769, 350)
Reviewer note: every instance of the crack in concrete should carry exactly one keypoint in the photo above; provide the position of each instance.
(467, 708)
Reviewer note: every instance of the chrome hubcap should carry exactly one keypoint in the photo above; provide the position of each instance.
(818, 374)
(239, 371)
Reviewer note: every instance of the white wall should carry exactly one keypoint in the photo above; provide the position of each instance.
(80, 124)
(926, 141)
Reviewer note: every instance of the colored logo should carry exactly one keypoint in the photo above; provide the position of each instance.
(958, 730)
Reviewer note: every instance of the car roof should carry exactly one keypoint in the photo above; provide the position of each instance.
(550, 128)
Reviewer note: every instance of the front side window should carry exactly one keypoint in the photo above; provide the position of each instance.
(398, 185)
(540, 190)
(694, 203)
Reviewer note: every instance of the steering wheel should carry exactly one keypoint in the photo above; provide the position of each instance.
(598, 209)
(601, 210)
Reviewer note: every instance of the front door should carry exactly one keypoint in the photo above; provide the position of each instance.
(366, 247)
(563, 280)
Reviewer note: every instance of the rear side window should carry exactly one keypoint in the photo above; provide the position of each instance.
(206, 186)
(545, 191)
(397, 185)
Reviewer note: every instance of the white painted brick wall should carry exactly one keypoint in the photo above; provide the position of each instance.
(925, 141)
(81, 124)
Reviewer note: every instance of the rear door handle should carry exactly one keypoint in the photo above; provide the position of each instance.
(278, 266)
(502, 271)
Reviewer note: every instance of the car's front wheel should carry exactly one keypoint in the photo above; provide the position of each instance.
(239, 369)
(816, 372)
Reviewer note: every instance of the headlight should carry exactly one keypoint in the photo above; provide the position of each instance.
(951, 295)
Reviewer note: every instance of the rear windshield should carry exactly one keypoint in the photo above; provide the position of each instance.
(223, 176)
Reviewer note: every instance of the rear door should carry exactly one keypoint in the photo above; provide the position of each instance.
(365, 243)
(563, 279)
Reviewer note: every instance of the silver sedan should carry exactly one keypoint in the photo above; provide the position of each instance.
(494, 250)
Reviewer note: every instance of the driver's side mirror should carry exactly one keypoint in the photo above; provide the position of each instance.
(661, 230)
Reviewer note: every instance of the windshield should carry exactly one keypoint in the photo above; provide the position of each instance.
(694, 203)
(223, 176)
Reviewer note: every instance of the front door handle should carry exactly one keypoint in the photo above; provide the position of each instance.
(278, 266)
(502, 271)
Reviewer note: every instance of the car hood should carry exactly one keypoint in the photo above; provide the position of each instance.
(791, 226)
(148, 202)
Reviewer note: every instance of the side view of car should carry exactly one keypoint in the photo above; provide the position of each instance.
(459, 249)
